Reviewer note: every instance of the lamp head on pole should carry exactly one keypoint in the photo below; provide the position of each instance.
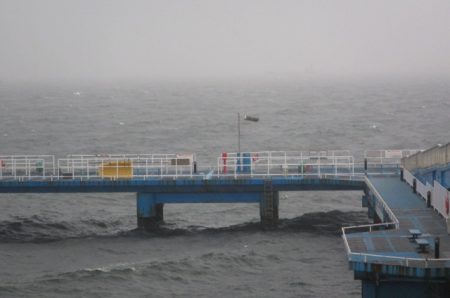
(251, 118)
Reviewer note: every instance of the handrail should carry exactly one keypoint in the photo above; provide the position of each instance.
(404, 261)
(330, 163)
(383, 203)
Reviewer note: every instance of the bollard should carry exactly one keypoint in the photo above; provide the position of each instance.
(365, 164)
(414, 186)
(401, 175)
(436, 247)
(428, 199)
(195, 167)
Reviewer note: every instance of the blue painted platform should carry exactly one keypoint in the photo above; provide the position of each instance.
(390, 251)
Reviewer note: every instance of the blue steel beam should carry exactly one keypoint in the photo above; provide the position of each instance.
(217, 197)
(177, 186)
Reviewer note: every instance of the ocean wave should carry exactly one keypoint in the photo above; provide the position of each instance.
(38, 229)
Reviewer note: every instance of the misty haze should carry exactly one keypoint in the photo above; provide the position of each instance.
(97, 96)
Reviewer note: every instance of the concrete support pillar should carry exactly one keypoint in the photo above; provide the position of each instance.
(149, 213)
(268, 208)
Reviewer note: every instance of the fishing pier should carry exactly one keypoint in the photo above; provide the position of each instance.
(406, 251)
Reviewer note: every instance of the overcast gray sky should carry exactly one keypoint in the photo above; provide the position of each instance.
(49, 39)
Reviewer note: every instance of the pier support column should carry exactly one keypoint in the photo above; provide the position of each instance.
(159, 212)
(268, 208)
(404, 288)
(149, 213)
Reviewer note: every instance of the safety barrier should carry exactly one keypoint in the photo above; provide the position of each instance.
(26, 166)
(126, 166)
(386, 157)
(382, 205)
(384, 259)
(261, 163)
(283, 164)
(436, 156)
(439, 194)
(409, 178)
(440, 199)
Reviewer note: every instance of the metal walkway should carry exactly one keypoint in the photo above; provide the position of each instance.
(393, 247)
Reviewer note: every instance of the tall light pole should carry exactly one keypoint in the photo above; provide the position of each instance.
(248, 118)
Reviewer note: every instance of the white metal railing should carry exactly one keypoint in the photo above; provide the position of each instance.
(440, 199)
(283, 164)
(409, 178)
(387, 157)
(127, 155)
(423, 189)
(381, 204)
(26, 166)
(439, 194)
(338, 163)
(126, 166)
(300, 153)
(384, 259)
(436, 156)
(394, 260)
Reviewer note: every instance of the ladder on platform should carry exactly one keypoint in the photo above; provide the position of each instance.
(268, 199)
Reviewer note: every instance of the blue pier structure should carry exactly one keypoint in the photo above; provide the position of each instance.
(405, 252)
(159, 179)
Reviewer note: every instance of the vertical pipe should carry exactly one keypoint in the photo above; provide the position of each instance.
(239, 132)
(319, 166)
(117, 168)
(353, 165)
(436, 247)
(218, 167)
(335, 165)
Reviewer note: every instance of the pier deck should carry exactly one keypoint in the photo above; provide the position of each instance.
(412, 213)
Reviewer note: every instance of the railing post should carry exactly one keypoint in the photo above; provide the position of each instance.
(146, 168)
(218, 167)
(176, 167)
(318, 166)
(335, 166)
(436, 247)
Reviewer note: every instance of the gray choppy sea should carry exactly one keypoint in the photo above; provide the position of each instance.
(71, 245)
